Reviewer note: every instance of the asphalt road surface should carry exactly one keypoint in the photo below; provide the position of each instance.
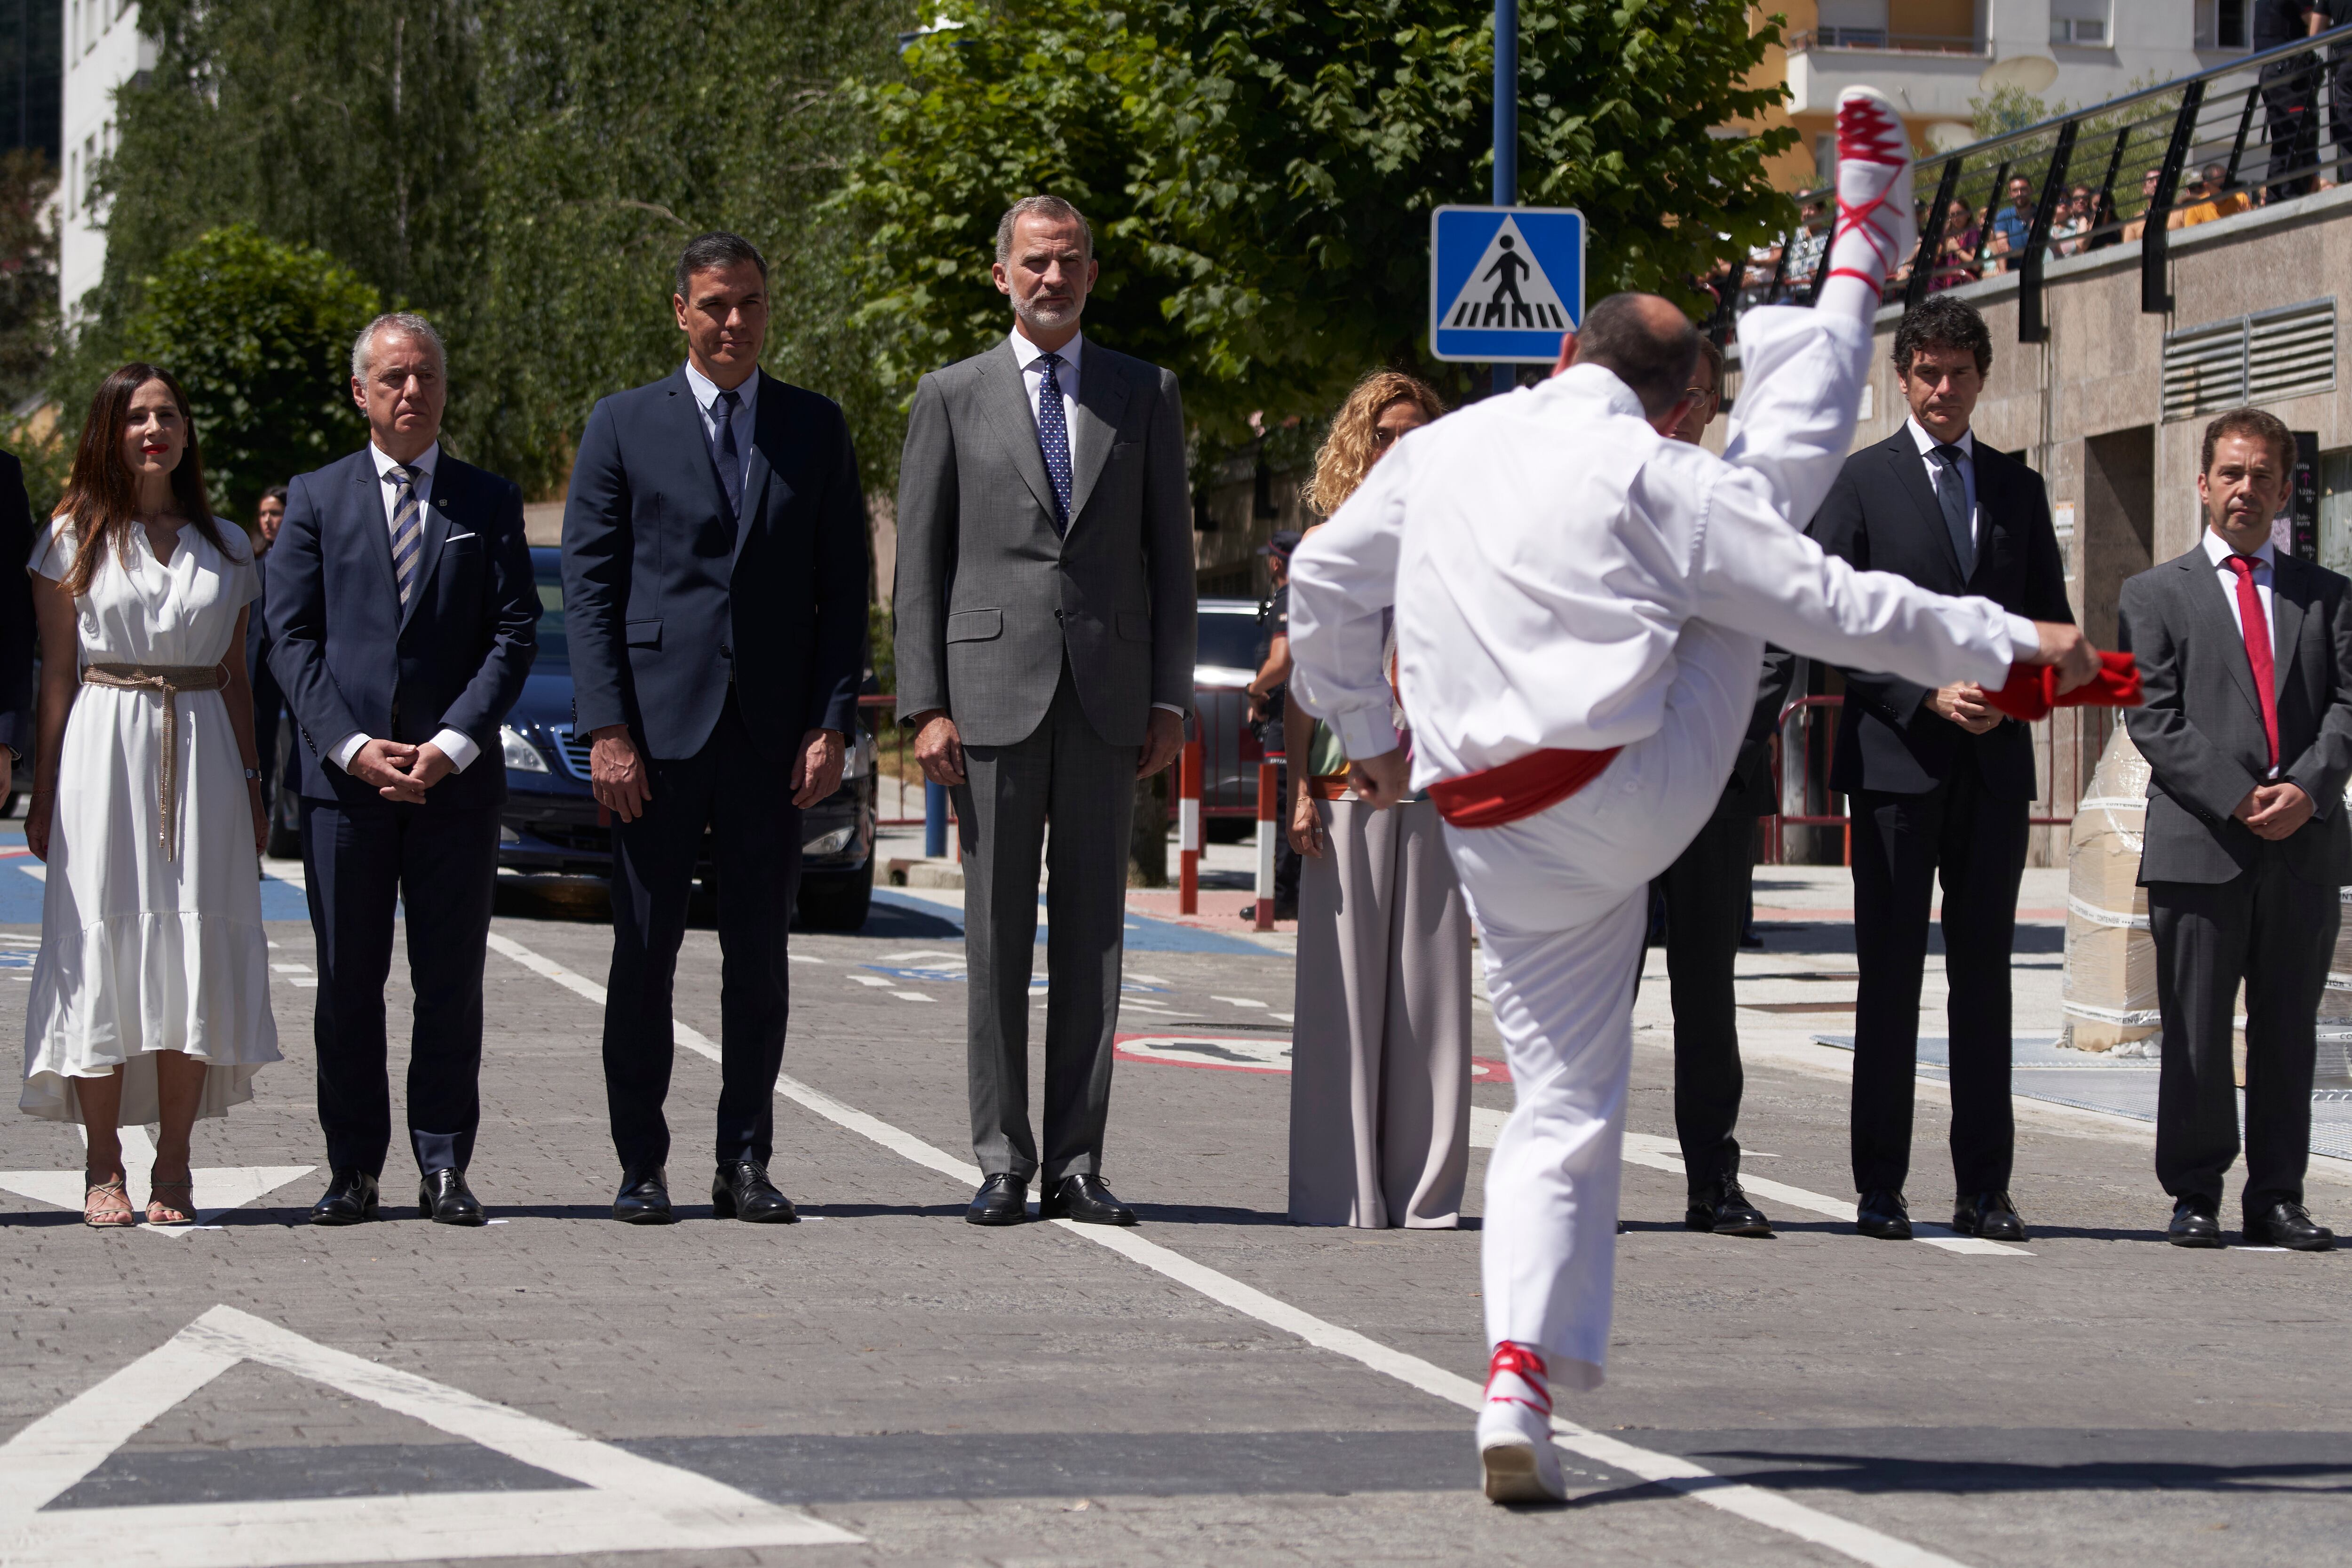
(884, 1384)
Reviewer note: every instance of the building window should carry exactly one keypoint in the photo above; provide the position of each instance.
(2082, 23)
(1853, 24)
(2221, 24)
(2336, 511)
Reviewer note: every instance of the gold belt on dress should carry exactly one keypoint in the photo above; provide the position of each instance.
(167, 681)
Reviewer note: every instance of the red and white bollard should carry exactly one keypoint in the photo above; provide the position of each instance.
(1188, 829)
(1268, 824)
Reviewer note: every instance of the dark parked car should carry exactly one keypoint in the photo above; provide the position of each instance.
(552, 825)
(1233, 645)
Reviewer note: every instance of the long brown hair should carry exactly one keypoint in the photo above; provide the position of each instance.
(102, 499)
(1347, 452)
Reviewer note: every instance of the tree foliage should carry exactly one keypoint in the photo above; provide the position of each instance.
(257, 335)
(1261, 174)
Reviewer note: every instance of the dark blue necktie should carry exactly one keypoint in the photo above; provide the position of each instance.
(729, 457)
(1054, 439)
(1952, 495)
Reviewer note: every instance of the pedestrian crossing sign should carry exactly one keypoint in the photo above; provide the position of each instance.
(1504, 282)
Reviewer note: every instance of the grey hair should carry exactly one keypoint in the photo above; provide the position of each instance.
(1052, 208)
(407, 324)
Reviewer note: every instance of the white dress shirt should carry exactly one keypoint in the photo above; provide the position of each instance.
(705, 398)
(1967, 445)
(453, 744)
(1032, 381)
(1543, 550)
(1032, 377)
(2217, 550)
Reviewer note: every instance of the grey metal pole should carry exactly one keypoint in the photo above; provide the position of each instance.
(1507, 134)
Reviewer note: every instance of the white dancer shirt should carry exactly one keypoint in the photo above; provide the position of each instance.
(1544, 549)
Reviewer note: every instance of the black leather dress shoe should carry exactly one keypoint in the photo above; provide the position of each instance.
(1723, 1208)
(741, 1190)
(445, 1199)
(2288, 1225)
(1988, 1215)
(1882, 1215)
(350, 1198)
(1003, 1199)
(644, 1198)
(2193, 1223)
(1084, 1198)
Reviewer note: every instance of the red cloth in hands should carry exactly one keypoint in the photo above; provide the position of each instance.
(2033, 689)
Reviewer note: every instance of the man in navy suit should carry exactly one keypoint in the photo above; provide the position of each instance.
(715, 587)
(402, 623)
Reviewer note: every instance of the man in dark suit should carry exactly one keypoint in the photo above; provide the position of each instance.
(1045, 638)
(2246, 656)
(1704, 893)
(1937, 780)
(268, 702)
(15, 622)
(401, 621)
(715, 590)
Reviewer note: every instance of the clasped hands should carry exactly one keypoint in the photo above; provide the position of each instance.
(2274, 811)
(401, 773)
(619, 780)
(1963, 702)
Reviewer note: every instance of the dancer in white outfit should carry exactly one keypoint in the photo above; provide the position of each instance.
(1580, 608)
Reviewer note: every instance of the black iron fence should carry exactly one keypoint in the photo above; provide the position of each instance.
(2135, 169)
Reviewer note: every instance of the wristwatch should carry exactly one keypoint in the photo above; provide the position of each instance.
(253, 776)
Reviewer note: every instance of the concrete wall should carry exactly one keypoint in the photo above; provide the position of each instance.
(2086, 409)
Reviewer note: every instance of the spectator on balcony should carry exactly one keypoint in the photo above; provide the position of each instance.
(2290, 95)
(1379, 1085)
(2070, 231)
(1805, 245)
(2013, 224)
(2215, 199)
(2338, 13)
(1956, 262)
(2148, 181)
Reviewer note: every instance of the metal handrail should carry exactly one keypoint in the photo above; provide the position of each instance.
(2087, 146)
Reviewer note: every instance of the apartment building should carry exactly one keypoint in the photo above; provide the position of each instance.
(103, 49)
(1932, 57)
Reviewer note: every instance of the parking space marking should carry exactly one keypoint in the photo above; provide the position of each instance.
(912, 996)
(1662, 1154)
(1772, 1509)
(620, 1501)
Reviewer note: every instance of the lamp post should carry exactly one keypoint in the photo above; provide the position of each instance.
(1506, 134)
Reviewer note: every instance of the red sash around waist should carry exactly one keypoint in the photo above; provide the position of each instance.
(1491, 797)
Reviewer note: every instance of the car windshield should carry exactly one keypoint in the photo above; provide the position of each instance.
(1230, 639)
(553, 652)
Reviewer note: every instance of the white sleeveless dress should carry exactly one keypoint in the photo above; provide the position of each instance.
(142, 952)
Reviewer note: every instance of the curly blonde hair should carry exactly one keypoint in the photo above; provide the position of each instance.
(1347, 453)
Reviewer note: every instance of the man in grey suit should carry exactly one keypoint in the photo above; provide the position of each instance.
(1045, 609)
(2245, 653)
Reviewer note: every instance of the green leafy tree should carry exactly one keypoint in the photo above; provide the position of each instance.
(1261, 176)
(259, 335)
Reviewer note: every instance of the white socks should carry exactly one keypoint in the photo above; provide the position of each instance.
(1876, 227)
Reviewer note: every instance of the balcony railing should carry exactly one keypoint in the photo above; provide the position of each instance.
(1879, 39)
(2182, 153)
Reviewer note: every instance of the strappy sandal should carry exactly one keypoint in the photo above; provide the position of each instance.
(163, 1210)
(106, 1206)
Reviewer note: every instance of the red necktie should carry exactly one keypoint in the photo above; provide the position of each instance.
(2257, 630)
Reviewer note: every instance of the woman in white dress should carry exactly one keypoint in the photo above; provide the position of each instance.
(151, 996)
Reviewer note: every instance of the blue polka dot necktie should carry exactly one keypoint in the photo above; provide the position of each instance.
(1053, 439)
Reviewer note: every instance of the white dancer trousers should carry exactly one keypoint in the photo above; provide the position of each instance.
(1562, 900)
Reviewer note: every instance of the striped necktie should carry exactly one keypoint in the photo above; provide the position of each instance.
(407, 528)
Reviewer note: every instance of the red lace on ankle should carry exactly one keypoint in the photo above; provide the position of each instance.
(1867, 134)
(1525, 1364)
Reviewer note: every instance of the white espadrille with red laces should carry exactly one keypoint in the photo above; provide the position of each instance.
(1877, 224)
(1515, 1448)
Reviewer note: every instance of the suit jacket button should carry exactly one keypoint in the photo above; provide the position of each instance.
(725, 652)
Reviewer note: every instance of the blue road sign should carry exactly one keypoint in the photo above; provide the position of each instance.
(1504, 282)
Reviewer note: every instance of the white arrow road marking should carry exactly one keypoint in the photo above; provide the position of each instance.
(1772, 1509)
(218, 1188)
(628, 1503)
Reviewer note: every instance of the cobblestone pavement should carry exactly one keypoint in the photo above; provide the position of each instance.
(886, 1385)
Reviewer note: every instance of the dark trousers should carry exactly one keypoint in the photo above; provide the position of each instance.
(740, 796)
(1067, 773)
(359, 862)
(2277, 932)
(1901, 844)
(1705, 893)
(2291, 109)
(268, 710)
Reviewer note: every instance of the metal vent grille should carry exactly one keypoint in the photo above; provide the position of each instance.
(2266, 357)
(2290, 352)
